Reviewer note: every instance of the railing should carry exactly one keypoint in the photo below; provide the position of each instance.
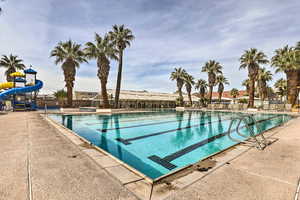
(248, 120)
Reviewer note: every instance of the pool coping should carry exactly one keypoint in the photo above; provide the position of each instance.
(154, 186)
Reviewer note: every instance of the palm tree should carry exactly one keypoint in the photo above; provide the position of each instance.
(212, 68)
(70, 55)
(221, 80)
(281, 86)
(285, 60)
(201, 85)
(246, 83)
(60, 95)
(263, 77)
(179, 75)
(251, 60)
(121, 38)
(102, 50)
(12, 64)
(234, 93)
(189, 82)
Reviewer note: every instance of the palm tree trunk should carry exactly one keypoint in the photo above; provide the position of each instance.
(251, 93)
(180, 96)
(118, 87)
(220, 96)
(210, 93)
(69, 95)
(190, 98)
(292, 82)
(104, 94)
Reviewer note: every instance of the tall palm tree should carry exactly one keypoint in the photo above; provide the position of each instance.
(189, 82)
(121, 38)
(281, 87)
(178, 75)
(251, 60)
(102, 50)
(201, 85)
(234, 93)
(212, 68)
(221, 80)
(285, 60)
(12, 64)
(263, 77)
(70, 55)
(246, 83)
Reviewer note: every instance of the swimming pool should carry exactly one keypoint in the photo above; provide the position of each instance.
(157, 143)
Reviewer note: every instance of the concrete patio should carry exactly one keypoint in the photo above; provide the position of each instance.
(38, 162)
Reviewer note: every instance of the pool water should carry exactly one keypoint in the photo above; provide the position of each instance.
(157, 143)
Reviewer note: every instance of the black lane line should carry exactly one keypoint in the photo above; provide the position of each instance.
(149, 124)
(127, 141)
(166, 161)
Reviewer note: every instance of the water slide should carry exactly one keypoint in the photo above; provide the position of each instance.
(3, 95)
(6, 85)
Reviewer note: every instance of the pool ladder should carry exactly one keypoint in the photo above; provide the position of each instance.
(258, 140)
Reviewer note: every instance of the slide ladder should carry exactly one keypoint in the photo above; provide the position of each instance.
(247, 121)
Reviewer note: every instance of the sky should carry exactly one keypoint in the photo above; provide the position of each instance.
(168, 34)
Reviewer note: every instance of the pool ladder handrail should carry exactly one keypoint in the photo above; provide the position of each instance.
(260, 143)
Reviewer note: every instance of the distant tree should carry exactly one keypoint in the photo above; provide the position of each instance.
(178, 75)
(201, 86)
(12, 64)
(234, 93)
(60, 95)
(121, 38)
(221, 80)
(212, 68)
(246, 84)
(281, 88)
(251, 60)
(70, 55)
(263, 77)
(189, 82)
(102, 50)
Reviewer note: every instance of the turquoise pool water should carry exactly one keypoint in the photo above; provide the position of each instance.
(157, 143)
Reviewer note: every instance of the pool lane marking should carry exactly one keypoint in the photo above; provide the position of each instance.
(131, 120)
(166, 161)
(127, 141)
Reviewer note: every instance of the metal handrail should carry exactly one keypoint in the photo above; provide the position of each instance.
(261, 144)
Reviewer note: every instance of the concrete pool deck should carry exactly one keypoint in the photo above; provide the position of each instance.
(37, 161)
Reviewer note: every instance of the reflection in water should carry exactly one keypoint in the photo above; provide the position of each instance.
(63, 120)
(117, 126)
(211, 146)
(182, 136)
(179, 117)
(103, 135)
(220, 124)
(70, 122)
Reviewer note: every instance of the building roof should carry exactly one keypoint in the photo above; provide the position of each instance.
(29, 71)
(226, 94)
(145, 95)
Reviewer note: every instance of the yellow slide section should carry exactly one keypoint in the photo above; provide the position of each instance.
(6, 85)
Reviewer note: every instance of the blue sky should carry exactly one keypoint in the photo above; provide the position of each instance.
(169, 33)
